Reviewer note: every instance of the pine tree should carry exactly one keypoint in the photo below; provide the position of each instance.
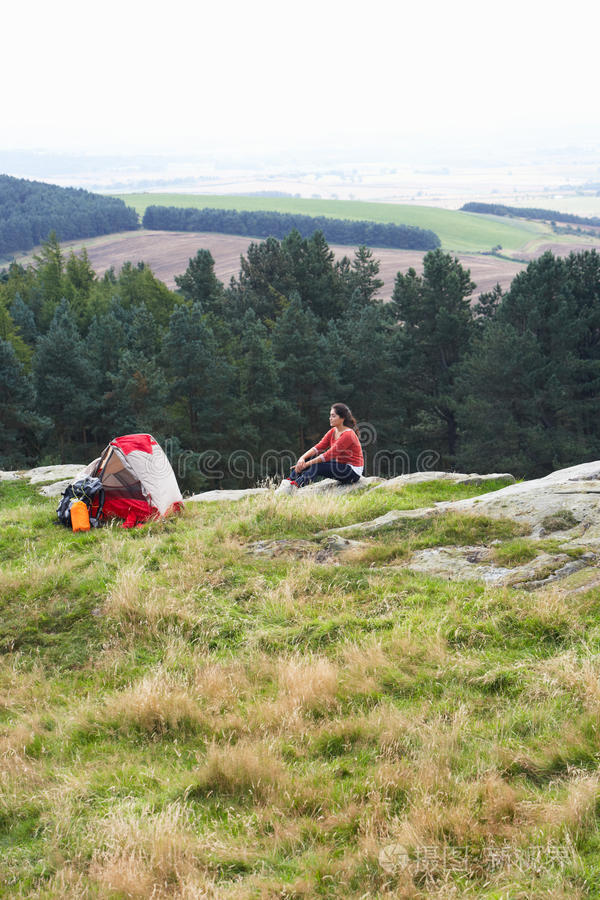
(497, 409)
(199, 284)
(144, 333)
(201, 379)
(535, 371)
(434, 334)
(364, 270)
(307, 370)
(107, 337)
(24, 319)
(79, 283)
(315, 275)
(10, 332)
(50, 277)
(266, 421)
(265, 282)
(63, 380)
(368, 370)
(21, 429)
(138, 398)
(138, 286)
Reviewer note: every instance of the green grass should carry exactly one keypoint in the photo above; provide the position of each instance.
(180, 718)
(458, 231)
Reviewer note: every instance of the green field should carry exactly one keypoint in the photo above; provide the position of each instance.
(180, 718)
(458, 231)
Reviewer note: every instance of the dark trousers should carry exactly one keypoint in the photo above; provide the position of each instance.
(340, 471)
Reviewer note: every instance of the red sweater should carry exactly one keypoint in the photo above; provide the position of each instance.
(346, 449)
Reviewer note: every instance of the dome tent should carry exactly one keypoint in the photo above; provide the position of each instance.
(138, 480)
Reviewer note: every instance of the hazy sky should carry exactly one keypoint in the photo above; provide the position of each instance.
(173, 76)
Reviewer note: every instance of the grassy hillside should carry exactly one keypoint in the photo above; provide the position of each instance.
(458, 231)
(181, 718)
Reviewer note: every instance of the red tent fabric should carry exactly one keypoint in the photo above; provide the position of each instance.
(130, 442)
(138, 480)
(133, 512)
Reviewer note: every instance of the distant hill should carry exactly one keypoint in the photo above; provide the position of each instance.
(30, 210)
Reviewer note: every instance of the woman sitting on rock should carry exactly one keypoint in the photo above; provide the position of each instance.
(337, 455)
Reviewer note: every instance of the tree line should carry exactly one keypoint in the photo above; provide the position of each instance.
(30, 210)
(507, 381)
(264, 224)
(525, 212)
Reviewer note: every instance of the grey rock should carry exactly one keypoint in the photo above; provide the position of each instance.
(494, 476)
(214, 496)
(327, 485)
(570, 490)
(476, 563)
(56, 488)
(401, 481)
(270, 549)
(330, 485)
(69, 471)
(55, 473)
(335, 543)
(562, 572)
(333, 546)
(383, 521)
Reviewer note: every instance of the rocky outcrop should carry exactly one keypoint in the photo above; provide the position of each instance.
(564, 502)
(401, 481)
(214, 496)
(330, 485)
(477, 563)
(54, 479)
(563, 506)
(384, 521)
(43, 474)
(333, 546)
(327, 485)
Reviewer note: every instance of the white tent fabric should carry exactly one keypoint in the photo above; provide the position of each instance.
(156, 477)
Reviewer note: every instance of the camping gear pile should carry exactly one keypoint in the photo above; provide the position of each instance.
(132, 480)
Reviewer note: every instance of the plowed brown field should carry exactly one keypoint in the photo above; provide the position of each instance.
(168, 253)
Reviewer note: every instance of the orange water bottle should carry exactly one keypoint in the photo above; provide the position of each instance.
(80, 517)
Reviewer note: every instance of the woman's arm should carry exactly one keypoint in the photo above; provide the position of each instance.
(316, 453)
(301, 464)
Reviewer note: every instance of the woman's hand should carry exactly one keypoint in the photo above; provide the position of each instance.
(300, 465)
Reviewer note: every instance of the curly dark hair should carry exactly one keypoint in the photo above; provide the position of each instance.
(346, 414)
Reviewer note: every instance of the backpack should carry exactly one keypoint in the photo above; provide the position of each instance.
(87, 489)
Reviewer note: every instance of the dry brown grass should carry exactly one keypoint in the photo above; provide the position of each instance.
(15, 740)
(143, 607)
(22, 689)
(221, 686)
(68, 883)
(577, 811)
(308, 684)
(570, 672)
(303, 687)
(146, 854)
(156, 704)
(37, 572)
(248, 770)
(124, 600)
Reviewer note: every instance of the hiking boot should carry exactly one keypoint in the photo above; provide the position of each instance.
(287, 487)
